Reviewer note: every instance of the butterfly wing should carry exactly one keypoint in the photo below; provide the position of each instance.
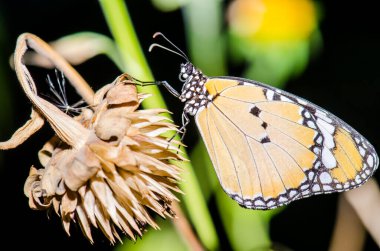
(269, 147)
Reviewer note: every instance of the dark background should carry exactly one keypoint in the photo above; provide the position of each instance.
(343, 79)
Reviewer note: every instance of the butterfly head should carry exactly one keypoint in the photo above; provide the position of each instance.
(188, 72)
(194, 92)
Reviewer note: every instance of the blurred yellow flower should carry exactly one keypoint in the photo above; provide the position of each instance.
(272, 19)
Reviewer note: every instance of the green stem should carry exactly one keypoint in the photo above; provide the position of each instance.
(133, 60)
(119, 22)
(203, 23)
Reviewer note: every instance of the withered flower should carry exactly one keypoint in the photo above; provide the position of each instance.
(109, 167)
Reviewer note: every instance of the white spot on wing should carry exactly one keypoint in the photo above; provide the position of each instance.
(370, 160)
(270, 94)
(238, 199)
(304, 187)
(317, 164)
(328, 158)
(317, 150)
(320, 113)
(328, 138)
(362, 151)
(311, 175)
(301, 101)
(292, 193)
(325, 178)
(327, 188)
(248, 203)
(283, 98)
(271, 203)
(282, 199)
(311, 124)
(329, 127)
(323, 116)
(358, 179)
(316, 188)
(319, 139)
(259, 203)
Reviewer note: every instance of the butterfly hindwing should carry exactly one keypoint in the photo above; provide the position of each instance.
(270, 147)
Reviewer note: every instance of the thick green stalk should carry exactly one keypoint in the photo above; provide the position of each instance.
(203, 25)
(119, 22)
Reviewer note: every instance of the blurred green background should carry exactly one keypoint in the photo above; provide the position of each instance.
(323, 51)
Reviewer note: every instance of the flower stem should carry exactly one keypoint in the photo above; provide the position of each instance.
(119, 22)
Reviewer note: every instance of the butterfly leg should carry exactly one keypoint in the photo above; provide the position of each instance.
(169, 88)
(182, 130)
(185, 122)
(163, 83)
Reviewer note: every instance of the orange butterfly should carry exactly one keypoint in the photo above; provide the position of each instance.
(270, 147)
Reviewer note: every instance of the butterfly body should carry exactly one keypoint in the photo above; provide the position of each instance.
(270, 147)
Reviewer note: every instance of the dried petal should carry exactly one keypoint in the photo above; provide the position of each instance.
(35, 122)
(44, 155)
(112, 126)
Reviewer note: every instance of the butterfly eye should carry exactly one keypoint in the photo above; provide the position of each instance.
(186, 71)
(189, 69)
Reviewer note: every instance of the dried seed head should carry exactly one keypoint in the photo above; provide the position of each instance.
(108, 167)
(118, 176)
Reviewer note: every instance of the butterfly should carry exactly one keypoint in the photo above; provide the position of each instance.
(269, 147)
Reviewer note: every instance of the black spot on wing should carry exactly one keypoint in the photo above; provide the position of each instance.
(310, 109)
(276, 96)
(265, 140)
(255, 111)
(264, 125)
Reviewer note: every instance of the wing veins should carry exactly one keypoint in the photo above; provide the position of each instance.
(272, 142)
(275, 166)
(288, 154)
(291, 121)
(271, 125)
(349, 159)
(256, 167)
(260, 143)
(213, 146)
(236, 173)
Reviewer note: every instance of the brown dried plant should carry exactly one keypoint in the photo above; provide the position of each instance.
(108, 167)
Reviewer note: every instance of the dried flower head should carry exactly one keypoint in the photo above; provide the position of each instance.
(108, 167)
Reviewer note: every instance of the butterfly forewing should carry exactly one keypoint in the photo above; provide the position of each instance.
(270, 147)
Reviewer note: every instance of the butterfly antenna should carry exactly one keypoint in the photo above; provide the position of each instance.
(177, 50)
